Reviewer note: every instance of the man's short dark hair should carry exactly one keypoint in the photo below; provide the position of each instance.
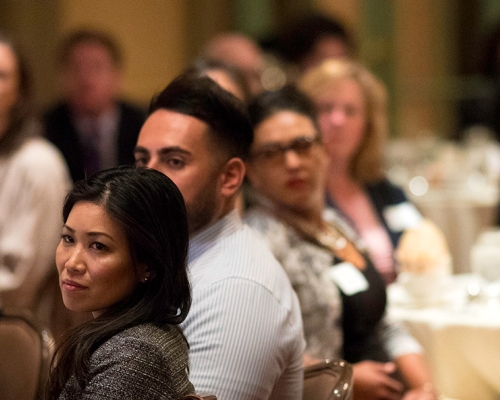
(90, 36)
(202, 98)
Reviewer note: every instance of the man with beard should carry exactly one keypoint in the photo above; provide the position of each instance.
(244, 328)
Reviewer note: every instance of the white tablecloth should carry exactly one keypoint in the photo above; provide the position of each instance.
(461, 339)
(461, 218)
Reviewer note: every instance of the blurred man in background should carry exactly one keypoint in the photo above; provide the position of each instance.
(238, 50)
(92, 128)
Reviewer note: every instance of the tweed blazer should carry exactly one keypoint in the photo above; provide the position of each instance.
(140, 363)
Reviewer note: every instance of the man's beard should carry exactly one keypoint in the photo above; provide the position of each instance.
(202, 210)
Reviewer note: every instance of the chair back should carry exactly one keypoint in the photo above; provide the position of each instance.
(25, 354)
(328, 380)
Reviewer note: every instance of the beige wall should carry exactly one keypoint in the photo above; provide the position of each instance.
(152, 33)
(424, 66)
(160, 37)
(33, 25)
(346, 10)
(154, 36)
(424, 54)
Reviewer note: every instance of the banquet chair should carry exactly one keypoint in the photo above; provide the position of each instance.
(25, 354)
(328, 380)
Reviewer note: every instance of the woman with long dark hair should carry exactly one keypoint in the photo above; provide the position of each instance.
(122, 257)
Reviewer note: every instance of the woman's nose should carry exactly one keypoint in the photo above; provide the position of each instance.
(337, 117)
(76, 260)
(292, 159)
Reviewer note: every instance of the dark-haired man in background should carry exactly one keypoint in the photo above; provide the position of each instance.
(92, 128)
(244, 328)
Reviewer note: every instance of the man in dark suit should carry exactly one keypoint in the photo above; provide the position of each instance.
(92, 128)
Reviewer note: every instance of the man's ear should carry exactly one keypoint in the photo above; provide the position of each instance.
(232, 176)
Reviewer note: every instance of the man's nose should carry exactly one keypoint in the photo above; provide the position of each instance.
(153, 163)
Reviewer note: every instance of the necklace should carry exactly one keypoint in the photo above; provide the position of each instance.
(332, 238)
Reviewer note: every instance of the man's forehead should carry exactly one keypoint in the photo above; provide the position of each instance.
(174, 119)
(84, 50)
(170, 127)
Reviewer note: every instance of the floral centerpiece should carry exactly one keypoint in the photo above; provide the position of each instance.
(424, 261)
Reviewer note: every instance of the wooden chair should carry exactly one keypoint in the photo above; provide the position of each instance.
(199, 397)
(328, 380)
(25, 354)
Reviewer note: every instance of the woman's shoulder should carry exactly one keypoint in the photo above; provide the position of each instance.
(274, 232)
(146, 340)
(144, 361)
(148, 332)
(262, 221)
(391, 202)
(45, 151)
(39, 157)
(37, 166)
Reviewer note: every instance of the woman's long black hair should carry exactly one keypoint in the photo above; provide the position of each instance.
(150, 209)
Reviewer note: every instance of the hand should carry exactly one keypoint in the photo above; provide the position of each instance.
(372, 381)
(425, 393)
(417, 376)
(309, 360)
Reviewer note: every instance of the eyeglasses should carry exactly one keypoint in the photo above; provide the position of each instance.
(274, 151)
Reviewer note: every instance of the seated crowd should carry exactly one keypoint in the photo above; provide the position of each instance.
(230, 257)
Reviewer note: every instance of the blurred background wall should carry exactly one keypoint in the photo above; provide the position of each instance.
(425, 51)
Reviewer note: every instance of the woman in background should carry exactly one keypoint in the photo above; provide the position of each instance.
(33, 183)
(342, 296)
(122, 257)
(352, 115)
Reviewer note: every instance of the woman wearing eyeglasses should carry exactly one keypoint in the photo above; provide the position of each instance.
(342, 295)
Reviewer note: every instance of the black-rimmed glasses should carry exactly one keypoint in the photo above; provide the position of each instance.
(274, 151)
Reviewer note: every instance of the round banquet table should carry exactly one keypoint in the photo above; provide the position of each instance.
(462, 217)
(460, 335)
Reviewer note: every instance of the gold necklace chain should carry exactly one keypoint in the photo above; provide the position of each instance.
(331, 237)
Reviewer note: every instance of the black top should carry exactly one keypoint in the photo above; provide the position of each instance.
(60, 130)
(382, 194)
(362, 313)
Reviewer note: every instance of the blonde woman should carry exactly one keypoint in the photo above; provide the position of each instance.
(352, 115)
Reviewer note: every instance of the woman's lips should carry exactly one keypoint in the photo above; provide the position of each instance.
(295, 183)
(72, 285)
